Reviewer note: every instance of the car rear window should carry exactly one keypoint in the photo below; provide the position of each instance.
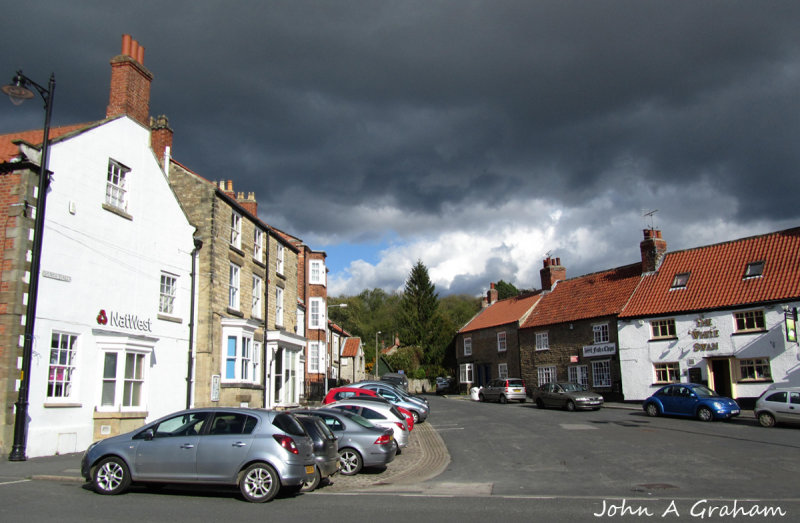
(361, 420)
(289, 424)
(514, 383)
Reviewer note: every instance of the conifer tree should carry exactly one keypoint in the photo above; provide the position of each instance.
(419, 320)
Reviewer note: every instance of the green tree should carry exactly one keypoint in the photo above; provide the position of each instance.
(419, 321)
(505, 290)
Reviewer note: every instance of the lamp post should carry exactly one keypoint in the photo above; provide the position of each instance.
(376, 355)
(327, 363)
(19, 91)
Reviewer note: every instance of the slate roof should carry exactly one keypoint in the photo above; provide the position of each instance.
(717, 278)
(502, 312)
(350, 349)
(594, 295)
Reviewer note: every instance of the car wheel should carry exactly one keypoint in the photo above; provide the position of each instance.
(111, 476)
(503, 399)
(704, 414)
(571, 406)
(314, 483)
(652, 410)
(539, 403)
(481, 397)
(351, 461)
(259, 483)
(415, 415)
(766, 419)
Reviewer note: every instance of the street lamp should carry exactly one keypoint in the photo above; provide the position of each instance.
(327, 363)
(19, 91)
(376, 355)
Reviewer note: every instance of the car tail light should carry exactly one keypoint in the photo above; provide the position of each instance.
(402, 427)
(385, 439)
(286, 442)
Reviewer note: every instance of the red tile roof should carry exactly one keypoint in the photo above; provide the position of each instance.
(591, 296)
(717, 276)
(503, 312)
(350, 349)
(8, 150)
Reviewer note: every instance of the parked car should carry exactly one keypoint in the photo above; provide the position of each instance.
(570, 396)
(778, 405)
(503, 390)
(692, 400)
(398, 379)
(445, 385)
(382, 415)
(418, 407)
(361, 442)
(415, 397)
(341, 393)
(258, 450)
(407, 415)
(326, 451)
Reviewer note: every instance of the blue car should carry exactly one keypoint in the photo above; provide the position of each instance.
(692, 400)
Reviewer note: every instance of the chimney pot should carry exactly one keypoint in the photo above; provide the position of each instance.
(126, 45)
(230, 185)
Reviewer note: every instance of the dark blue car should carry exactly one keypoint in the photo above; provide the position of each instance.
(692, 400)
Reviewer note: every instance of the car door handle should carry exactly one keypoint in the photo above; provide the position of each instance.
(240, 444)
(187, 446)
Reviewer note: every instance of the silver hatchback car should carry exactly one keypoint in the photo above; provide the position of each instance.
(257, 450)
(503, 390)
(778, 405)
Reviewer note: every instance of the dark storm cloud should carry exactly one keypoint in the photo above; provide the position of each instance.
(427, 106)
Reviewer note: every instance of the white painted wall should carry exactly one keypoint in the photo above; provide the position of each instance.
(638, 354)
(113, 264)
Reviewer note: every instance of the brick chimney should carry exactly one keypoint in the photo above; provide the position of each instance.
(130, 83)
(248, 202)
(653, 249)
(491, 294)
(161, 139)
(551, 272)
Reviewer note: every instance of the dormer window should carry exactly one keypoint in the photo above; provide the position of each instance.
(680, 281)
(754, 269)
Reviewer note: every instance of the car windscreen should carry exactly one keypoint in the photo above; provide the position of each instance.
(289, 424)
(704, 392)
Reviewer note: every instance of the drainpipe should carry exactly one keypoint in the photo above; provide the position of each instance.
(198, 244)
(264, 352)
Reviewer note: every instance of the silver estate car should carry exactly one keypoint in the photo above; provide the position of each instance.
(503, 390)
(570, 396)
(257, 450)
(778, 405)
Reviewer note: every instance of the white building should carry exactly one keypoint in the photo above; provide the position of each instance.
(111, 342)
(715, 315)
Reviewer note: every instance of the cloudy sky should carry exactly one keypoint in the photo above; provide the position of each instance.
(476, 136)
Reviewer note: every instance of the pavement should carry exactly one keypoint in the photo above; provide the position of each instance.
(425, 458)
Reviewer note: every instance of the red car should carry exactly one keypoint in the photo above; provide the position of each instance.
(340, 393)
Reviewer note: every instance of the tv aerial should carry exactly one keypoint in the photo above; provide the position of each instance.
(649, 214)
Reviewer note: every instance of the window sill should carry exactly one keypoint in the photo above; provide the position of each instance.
(172, 319)
(666, 338)
(260, 263)
(744, 333)
(115, 413)
(236, 250)
(119, 212)
(541, 350)
(280, 275)
(63, 405)
(234, 312)
(241, 385)
(755, 381)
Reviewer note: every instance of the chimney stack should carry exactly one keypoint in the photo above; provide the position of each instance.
(161, 139)
(491, 295)
(130, 83)
(551, 272)
(248, 202)
(653, 249)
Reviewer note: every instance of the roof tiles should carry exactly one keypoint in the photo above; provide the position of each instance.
(9, 150)
(502, 312)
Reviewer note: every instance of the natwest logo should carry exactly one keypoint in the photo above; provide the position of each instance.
(124, 321)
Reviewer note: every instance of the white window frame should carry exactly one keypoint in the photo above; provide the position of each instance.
(258, 293)
(234, 289)
(502, 371)
(62, 372)
(578, 374)
(279, 306)
(501, 342)
(168, 290)
(120, 382)
(258, 244)
(753, 317)
(116, 185)
(542, 341)
(316, 272)
(601, 373)
(279, 259)
(241, 353)
(601, 333)
(663, 329)
(468, 346)
(761, 369)
(316, 313)
(466, 373)
(546, 374)
(313, 357)
(236, 230)
(667, 372)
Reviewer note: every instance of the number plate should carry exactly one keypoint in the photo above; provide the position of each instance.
(516, 390)
(734, 412)
(309, 469)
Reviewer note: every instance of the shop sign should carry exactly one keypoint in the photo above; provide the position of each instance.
(704, 329)
(599, 350)
(790, 321)
(124, 321)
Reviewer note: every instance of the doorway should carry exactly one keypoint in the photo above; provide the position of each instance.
(721, 376)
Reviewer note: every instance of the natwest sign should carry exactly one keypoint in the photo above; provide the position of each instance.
(124, 321)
